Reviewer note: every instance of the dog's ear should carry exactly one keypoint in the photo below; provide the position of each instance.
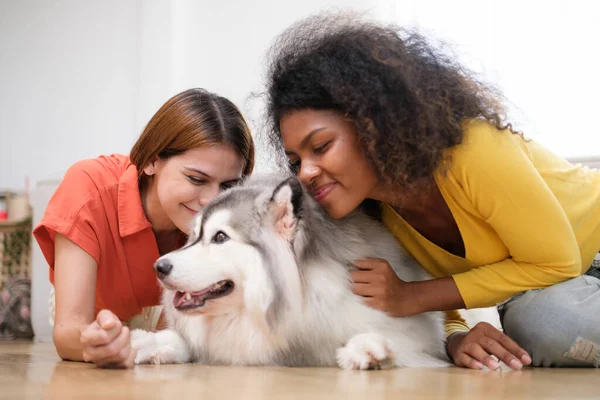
(286, 203)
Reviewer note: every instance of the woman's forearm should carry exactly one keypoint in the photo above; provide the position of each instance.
(436, 295)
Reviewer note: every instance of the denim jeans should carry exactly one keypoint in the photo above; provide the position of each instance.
(558, 326)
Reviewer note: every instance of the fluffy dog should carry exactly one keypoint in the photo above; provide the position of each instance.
(264, 280)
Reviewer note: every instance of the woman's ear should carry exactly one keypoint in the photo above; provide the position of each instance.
(149, 169)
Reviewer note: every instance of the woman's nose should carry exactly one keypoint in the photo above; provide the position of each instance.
(308, 172)
(208, 194)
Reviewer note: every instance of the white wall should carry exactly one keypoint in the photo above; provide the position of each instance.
(68, 73)
(81, 78)
(543, 56)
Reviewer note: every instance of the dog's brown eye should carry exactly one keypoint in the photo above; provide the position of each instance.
(220, 237)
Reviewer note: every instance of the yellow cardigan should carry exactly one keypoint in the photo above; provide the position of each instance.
(528, 218)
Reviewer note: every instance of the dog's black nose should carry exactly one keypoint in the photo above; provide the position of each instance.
(163, 268)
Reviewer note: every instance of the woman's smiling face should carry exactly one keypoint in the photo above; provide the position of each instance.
(185, 183)
(324, 151)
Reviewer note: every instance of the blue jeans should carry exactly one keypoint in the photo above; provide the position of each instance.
(558, 326)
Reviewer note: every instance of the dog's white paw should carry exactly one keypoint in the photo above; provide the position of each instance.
(150, 350)
(140, 338)
(162, 347)
(366, 351)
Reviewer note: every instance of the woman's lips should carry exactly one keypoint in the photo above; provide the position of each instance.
(190, 210)
(322, 191)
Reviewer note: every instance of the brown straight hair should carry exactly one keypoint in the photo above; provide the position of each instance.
(193, 118)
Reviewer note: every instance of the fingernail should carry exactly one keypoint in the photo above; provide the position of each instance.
(493, 364)
(515, 364)
(478, 365)
(106, 321)
(526, 359)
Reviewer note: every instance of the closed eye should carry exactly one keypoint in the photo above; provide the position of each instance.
(219, 238)
(229, 185)
(294, 166)
(322, 148)
(196, 181)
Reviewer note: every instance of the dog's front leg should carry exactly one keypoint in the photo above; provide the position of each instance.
(162, 347)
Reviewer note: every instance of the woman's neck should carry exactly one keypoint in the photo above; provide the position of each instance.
(415, 199)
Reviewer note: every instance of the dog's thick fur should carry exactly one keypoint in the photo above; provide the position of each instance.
(291, 302)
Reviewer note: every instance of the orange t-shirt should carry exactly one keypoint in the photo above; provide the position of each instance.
(98, 207)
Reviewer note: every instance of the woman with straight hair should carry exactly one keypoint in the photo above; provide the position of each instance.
(113, 216)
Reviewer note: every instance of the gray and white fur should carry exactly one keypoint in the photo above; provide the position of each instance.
(291, 302)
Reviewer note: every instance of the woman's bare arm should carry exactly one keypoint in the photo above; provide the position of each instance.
(75, 287)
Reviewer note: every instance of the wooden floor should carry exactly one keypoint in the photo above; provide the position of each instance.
(33, 371)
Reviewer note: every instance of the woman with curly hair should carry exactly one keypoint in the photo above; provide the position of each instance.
(374, 117)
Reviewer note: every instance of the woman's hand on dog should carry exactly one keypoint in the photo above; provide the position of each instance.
(482, 345)
(106, 342)
(376, 281)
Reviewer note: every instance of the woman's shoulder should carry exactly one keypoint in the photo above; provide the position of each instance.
(87, 184)
(484, 135)
(102, 170)
(81, 206)
(484, 142)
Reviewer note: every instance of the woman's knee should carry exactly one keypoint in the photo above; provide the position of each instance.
(547, 324)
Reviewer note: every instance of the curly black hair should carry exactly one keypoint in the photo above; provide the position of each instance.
(405, 96)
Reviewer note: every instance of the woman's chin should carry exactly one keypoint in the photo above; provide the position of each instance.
(184, 223)
(338, 207)
(335, 211)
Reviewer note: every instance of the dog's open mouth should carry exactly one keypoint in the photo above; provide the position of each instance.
(189, 300)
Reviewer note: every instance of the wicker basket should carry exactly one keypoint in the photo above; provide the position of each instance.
(15, 250)
(15, 279)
